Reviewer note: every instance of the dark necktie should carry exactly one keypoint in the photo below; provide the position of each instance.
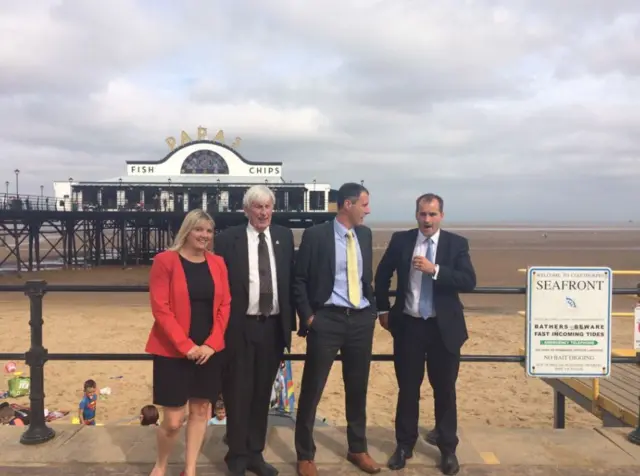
(264, 270)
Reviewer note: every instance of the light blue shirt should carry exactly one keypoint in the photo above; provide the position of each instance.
(215, 421)
(340, 294)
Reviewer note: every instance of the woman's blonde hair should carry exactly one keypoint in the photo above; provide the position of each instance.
(188, 224)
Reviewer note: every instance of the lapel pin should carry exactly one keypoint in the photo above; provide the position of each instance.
(277, 242)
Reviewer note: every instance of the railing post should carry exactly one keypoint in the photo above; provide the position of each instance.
(38, 431)
(634, 436)
(559, 408)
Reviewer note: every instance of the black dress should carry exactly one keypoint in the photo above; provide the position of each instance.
(176, 380)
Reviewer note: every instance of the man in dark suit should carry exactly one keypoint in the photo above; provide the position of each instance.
(432, 266)
(260, 260)
(335, 303)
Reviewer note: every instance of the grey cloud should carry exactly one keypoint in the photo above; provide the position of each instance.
(468, 97)
(74, 47)
(386, 88)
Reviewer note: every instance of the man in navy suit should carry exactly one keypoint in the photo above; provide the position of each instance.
(432, 267)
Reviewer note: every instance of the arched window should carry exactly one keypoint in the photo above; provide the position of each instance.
(204, 162)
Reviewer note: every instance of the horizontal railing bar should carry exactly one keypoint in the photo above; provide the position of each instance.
(293, 357)
(623, 272)
(613, 314)
(96, 288)
(10, 288)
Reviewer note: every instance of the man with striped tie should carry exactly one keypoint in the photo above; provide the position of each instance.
(432, 267)
(335, 304)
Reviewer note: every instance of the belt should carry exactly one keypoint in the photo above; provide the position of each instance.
(345, 310)
(261, 317)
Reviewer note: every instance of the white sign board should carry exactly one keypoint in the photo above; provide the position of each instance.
(568, 322)
(636, 329)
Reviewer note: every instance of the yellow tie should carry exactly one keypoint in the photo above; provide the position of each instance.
(353, 280)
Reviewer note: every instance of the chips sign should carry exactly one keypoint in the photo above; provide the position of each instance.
(568, 322)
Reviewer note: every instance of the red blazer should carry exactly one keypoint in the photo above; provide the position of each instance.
(171, 308)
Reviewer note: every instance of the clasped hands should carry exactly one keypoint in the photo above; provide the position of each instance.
(200, 353)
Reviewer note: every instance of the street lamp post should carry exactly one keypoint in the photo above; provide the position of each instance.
(17, 172)
(315, 199)
(171, 203)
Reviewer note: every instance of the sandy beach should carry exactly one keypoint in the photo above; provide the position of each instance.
(488, 394)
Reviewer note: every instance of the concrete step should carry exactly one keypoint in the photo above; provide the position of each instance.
(80, 469)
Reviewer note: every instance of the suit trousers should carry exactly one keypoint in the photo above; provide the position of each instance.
(414, 338)
(250, 371)
(351, 332)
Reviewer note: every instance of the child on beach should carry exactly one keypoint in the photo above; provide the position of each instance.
(220, 414)
(149, 415)
(87, 409)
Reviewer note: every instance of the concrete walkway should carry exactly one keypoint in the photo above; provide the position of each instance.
(129, 450)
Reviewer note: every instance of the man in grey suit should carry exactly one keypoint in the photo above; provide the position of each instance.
(334, 298)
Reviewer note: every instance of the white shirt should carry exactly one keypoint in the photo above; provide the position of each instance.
(412, 299)
(254, 275)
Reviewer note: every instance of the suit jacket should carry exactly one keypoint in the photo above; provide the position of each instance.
(316, 269)
(456, 275)
(232, 245)
(171, 307)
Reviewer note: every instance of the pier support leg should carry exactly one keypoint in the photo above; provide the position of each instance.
(634, 436)
(38, 431)
(558, 410)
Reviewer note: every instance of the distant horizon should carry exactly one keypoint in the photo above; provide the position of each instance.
(557, 222)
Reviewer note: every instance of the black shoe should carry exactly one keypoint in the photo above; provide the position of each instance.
(399, 458)
(235, 468)
(432, 437)
(262, 468)
(449, 465)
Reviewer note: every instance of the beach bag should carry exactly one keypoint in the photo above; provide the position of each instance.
(23, 415)
(19, 386)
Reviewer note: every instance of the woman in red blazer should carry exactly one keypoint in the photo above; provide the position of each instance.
(190, 302)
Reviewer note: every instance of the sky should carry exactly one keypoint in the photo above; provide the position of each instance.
(520, 110)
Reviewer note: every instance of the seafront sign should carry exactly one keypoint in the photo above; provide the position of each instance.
(568, 322)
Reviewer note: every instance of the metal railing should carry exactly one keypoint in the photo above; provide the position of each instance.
(26, 202)
(36, 357)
